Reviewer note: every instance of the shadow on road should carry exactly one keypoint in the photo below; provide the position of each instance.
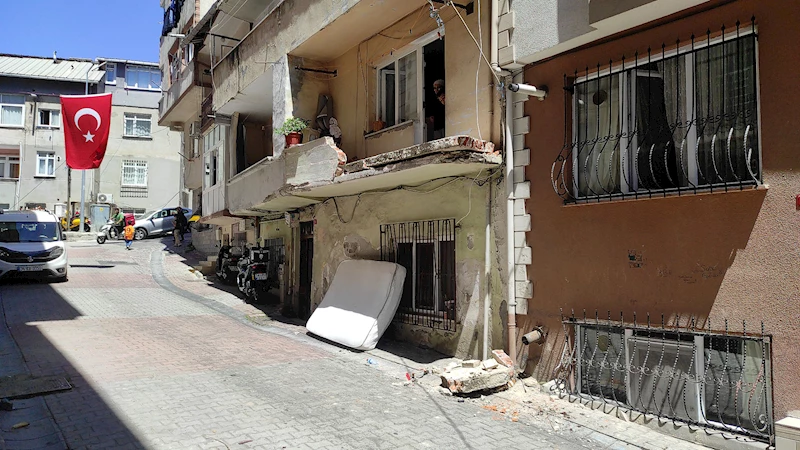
(81, 414)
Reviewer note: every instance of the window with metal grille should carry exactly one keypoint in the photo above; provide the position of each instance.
(667, 122)
(717, 380)
(134, 173)
(428, 252)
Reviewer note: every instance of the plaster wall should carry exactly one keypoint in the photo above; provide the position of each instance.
(723, 255)
(354, 233)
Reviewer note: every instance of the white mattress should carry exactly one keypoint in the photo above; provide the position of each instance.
(360, 303)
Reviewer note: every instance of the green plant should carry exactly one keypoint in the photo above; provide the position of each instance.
(292, 125)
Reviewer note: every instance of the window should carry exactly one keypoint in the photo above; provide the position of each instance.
(718, 380)
(143, 77)
(12, 109)
(427, 250)
(668, 123)
(405, 87)
(111, 73)
(9, 166)
(49, 118)
(134, 173)
(213, 147)
(137, 125)
(45, 164)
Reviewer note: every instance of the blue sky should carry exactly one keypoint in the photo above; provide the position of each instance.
(82, 28)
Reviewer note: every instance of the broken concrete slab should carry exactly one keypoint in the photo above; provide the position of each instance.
(470, 363)
(501, 357)
(466, 380)
(489, 364)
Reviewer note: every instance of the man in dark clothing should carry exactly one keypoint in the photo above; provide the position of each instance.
(180, 226)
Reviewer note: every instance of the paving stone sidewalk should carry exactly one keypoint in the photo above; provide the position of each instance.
(162, 359)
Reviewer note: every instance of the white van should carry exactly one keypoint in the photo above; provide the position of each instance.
(32, 245)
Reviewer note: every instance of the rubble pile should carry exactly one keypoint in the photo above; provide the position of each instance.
(473, 375)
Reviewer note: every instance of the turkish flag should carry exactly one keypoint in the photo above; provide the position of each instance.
(86, 120)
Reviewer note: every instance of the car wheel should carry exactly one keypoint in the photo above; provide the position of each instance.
(140, 234)
(101, 239)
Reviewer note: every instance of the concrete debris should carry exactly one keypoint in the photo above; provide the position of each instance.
(471, 363)
(6, 405)
(530, 382)
(501, 357)
(489, 364)
(465, 380)
(452, 366)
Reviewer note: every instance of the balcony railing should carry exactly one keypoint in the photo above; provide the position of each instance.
(186, 79)
(207, 112)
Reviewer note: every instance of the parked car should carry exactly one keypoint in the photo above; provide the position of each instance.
(32, 245)
(159, 222)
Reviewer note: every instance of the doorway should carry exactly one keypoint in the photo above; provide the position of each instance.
(306, 268)
(434, 89)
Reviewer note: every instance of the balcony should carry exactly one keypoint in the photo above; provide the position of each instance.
(179, 104)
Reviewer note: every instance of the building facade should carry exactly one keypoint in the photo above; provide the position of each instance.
(138, 172)
(662, 197)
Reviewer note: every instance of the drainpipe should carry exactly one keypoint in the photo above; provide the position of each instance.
(495, 26)
(512, 294)
(487, 272)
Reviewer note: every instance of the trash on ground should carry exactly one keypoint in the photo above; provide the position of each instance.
(19, 425)
(372, 362)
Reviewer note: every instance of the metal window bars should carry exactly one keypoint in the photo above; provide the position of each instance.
(427, 250)
(680, 119)
(682, 371)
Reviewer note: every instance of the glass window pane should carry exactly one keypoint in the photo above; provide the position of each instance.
(14, 170)
(12, 99)
(407, 68)
(111, 73)
(596, 165)
(3, 170)
(387, 95)
(55, 118)
(129, 126)
(155, 79)
(42, 167)
(11, 115)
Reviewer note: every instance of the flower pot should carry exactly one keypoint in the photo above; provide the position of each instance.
(293, 139)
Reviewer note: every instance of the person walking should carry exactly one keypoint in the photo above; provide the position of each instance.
(129, 232)
(180, 226)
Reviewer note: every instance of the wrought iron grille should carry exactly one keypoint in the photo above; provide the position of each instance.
(718, 380)
(428, 252)
(680, 119)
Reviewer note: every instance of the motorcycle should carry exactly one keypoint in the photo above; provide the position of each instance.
(108, 231)
(75, 223)
(227, 264)
(254, 270)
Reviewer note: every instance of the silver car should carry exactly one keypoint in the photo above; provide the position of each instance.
(159, 222)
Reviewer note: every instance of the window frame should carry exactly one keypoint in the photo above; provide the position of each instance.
(39, 123)
(139, 69)
(47, 157)
(13, 105)
(136, 165)
(627, 181)
(416, 46)
(437, 241)
(136, 117)
(111, 67)
(7, 161)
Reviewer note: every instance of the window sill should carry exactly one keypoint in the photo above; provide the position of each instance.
(133, 88)
(45, 177)
(17, 127)
(683, 193)
(47, 127)
(139, 138)
(8, 180)
(399, 126)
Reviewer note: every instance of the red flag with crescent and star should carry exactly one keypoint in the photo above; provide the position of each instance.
(86, 120)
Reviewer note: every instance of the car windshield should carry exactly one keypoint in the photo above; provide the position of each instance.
(28, 232)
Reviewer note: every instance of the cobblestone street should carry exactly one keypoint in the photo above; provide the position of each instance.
(160, 359)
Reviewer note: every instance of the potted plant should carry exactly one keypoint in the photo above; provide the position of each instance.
(292, 128)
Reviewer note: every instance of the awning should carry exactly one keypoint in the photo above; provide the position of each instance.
(221, 218)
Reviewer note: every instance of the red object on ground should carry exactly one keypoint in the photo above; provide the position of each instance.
(86, 120)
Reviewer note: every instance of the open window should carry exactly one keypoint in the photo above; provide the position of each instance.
(406, 93)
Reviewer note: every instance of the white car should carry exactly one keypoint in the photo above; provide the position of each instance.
(32, 245)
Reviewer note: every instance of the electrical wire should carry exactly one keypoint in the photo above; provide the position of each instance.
(469, 198)
(480, 48)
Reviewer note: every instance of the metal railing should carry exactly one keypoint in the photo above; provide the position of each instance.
(680, 119)
(680, 371)
(427, 250)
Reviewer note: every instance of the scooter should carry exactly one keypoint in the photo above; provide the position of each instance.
(107, 231)
(253, 279)
(227, 264)
(75, 223)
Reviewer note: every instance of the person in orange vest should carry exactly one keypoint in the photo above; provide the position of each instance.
(129, 231)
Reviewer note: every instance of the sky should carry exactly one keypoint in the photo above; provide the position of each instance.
(82, 28)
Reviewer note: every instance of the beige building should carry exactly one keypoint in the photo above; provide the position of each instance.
(400, 174)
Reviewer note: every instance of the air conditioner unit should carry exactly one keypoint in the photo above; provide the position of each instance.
(105, 198)
(194, 130)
